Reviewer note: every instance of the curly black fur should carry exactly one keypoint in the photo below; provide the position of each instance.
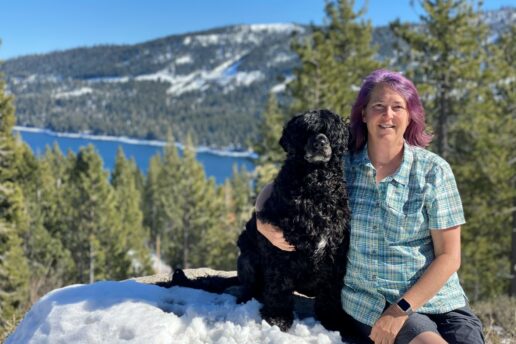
(309, 203)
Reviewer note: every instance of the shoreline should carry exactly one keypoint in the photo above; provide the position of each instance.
(132, 141)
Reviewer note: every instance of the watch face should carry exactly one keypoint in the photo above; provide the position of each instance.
(404, 305)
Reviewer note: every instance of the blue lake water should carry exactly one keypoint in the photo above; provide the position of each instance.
(216, 164)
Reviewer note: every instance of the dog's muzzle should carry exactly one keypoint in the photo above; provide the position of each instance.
(318, 149)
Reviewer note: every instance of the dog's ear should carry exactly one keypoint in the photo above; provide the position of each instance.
(344, 133)
(287, 140)
(340, 134)
(283, 141)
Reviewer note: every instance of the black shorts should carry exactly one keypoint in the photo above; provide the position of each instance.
(456, 327)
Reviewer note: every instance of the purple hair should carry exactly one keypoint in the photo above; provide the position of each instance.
(414, 134)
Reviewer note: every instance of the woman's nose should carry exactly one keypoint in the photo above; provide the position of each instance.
(389, 112)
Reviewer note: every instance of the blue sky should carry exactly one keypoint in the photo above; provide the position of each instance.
(37, 26)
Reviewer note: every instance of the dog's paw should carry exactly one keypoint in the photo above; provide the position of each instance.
(243, 299)
(243, 295)
(283, 321)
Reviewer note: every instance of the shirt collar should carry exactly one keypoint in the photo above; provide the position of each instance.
(362, 157)
(402, 174)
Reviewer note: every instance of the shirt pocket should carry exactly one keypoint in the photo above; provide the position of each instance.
(404, 218)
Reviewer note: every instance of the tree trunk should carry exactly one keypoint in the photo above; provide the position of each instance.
(92, 262)
(158, 251)
(186, 264)
(512, 291)
(442, 120)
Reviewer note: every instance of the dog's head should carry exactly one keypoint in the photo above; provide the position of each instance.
(315, 136)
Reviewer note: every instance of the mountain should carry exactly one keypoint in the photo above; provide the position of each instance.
(212, 83)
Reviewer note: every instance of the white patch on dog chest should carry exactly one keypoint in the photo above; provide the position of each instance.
(321, 245)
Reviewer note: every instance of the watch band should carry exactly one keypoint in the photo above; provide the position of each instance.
(405, 306)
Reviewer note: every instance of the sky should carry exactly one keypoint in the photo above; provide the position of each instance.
(35, 26)
(132, 312)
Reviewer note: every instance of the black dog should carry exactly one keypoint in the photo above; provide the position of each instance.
(309, 204)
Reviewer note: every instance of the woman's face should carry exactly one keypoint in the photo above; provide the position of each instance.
(386, 115)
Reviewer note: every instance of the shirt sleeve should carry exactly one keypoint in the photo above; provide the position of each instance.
(446, 209)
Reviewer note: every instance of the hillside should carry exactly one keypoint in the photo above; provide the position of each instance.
(212, 83)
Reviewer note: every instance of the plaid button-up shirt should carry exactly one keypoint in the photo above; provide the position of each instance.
(390, 245)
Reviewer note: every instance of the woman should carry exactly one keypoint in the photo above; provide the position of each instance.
(401, 283)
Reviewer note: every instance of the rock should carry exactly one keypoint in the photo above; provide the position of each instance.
(303, 305)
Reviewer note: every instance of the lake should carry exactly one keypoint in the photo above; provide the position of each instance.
(217, 164)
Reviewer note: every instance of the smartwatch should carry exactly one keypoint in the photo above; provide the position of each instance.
(404, 306)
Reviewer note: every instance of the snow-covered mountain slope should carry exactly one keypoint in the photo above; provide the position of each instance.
(212, 83)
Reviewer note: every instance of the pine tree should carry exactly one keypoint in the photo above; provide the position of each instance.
(334, 60)
(14, 274)
(166, 202)
(14, 270)
(242, 196)
(56, 171)
(219, 243)
(505, 93)
(133, 234)
(151, 205)
(95, 235)
(458, 76)
(486, 171)
(198, 208)
(50, 264)
(445, 61)
(235, 198)
(270, 153)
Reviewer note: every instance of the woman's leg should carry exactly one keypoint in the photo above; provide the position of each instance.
(459, 326)
(419, 329)
(428, 338)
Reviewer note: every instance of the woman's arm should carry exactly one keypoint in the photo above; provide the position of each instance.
(272, 233)
(447, 261)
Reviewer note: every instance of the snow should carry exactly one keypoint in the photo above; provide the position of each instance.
(228, 151)
(225, 74)
(133, 312)
(281, 58)
(184, 59)
(282, 86)
(109, 79)
(74, 93)
(205, 40)
(278, 28)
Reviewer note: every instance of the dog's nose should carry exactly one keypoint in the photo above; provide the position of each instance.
(321, 141)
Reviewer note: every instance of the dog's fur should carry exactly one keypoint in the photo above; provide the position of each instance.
(309, 204)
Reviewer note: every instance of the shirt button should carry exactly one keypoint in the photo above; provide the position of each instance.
(374, 251)
(377, 204)
(375, 227)
(373, 277)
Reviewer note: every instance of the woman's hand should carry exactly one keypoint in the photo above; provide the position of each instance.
(388, 326)
(270, 232)
(274, 235)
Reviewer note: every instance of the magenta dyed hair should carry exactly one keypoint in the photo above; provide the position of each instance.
(414, 134)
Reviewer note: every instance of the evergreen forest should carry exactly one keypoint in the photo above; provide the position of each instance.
(64, 220)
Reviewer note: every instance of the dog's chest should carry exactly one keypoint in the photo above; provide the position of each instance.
(321, 246)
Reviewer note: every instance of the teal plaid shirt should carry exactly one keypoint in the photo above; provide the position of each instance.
(390, 244)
